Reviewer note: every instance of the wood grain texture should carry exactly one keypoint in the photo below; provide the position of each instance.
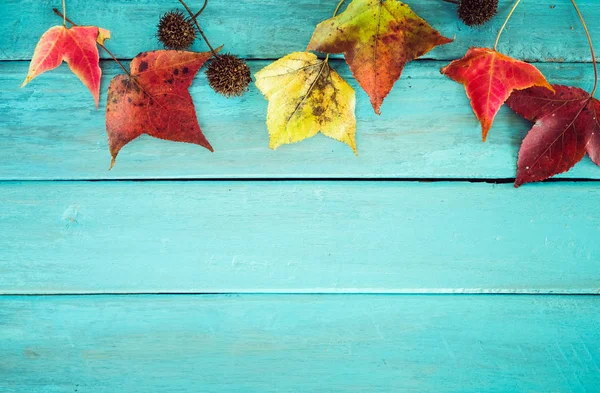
(539, 30)
(309, 237)
(49, 130)
(338, 343)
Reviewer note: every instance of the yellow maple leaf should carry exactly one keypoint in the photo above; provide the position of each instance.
(307, 96)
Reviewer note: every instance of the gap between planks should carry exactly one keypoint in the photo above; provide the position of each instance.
(336, 292)
(372, 178)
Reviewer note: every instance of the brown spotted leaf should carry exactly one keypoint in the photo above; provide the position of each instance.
(155, 100)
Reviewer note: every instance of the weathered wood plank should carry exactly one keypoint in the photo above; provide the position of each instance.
(539, 31)
(253, 343)
(50, 130)
(386, 237)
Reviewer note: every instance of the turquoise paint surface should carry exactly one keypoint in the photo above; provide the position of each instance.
(227, 283)
(305, 343)
(300, 237)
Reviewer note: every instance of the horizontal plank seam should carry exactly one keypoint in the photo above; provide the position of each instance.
(339, 178)
(432, 292)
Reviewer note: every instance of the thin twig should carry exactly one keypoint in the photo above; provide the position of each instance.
(452, 1)
(197, 14)
(505, 22)
(57, 12)
(587, 33)
(198, 27)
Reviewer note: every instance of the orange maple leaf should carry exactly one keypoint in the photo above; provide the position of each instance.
(377, 38)
(489, 78)
(77, 47)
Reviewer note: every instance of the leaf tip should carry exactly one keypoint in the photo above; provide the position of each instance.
(352, 143)
(376, 106)
(112, 163)
(485, 129)
(26, 81)
(102, 36)
(519, 182)
(549, 87)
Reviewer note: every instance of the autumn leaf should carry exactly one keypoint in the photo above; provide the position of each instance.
(566, 127)
(377, 38)
(489, 78)
(155, 100)
(306, 96)
(77, 47)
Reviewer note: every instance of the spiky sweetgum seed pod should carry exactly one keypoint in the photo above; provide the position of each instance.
(175, 31)
(477, 12)
(228, 75)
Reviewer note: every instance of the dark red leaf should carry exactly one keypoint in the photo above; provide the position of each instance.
(566, 127)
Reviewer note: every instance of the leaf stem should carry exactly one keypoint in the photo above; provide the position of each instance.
(334, 14)
(64, 7)
(587, 33)
(57, 12)
(452, 1)
(505, 22)
(198, 25)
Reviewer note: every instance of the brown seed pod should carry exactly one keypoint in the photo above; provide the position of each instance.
(229, 75)
(175, 31)
(477, 12)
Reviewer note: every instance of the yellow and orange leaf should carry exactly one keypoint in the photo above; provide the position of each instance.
(489, 78)
(378, 38)
(77, 47)
(307, 96)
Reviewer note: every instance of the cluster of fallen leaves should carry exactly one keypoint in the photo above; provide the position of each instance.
(151, 99)
(566, 123)
(378, 38)
(306, 96)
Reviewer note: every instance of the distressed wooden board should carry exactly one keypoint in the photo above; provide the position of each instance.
(338, 343)
(540, 30)
(386, 237)
(50, 130)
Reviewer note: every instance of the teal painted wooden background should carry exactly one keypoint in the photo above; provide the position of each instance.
(414, 267)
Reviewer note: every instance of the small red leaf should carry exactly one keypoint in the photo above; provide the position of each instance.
(155, 100)
(566, 127)
(77, 47)
(489, 78)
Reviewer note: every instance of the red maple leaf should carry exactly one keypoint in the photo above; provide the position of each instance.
(489, 78)
(155, 100)
(77, 47)
(566, 127)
